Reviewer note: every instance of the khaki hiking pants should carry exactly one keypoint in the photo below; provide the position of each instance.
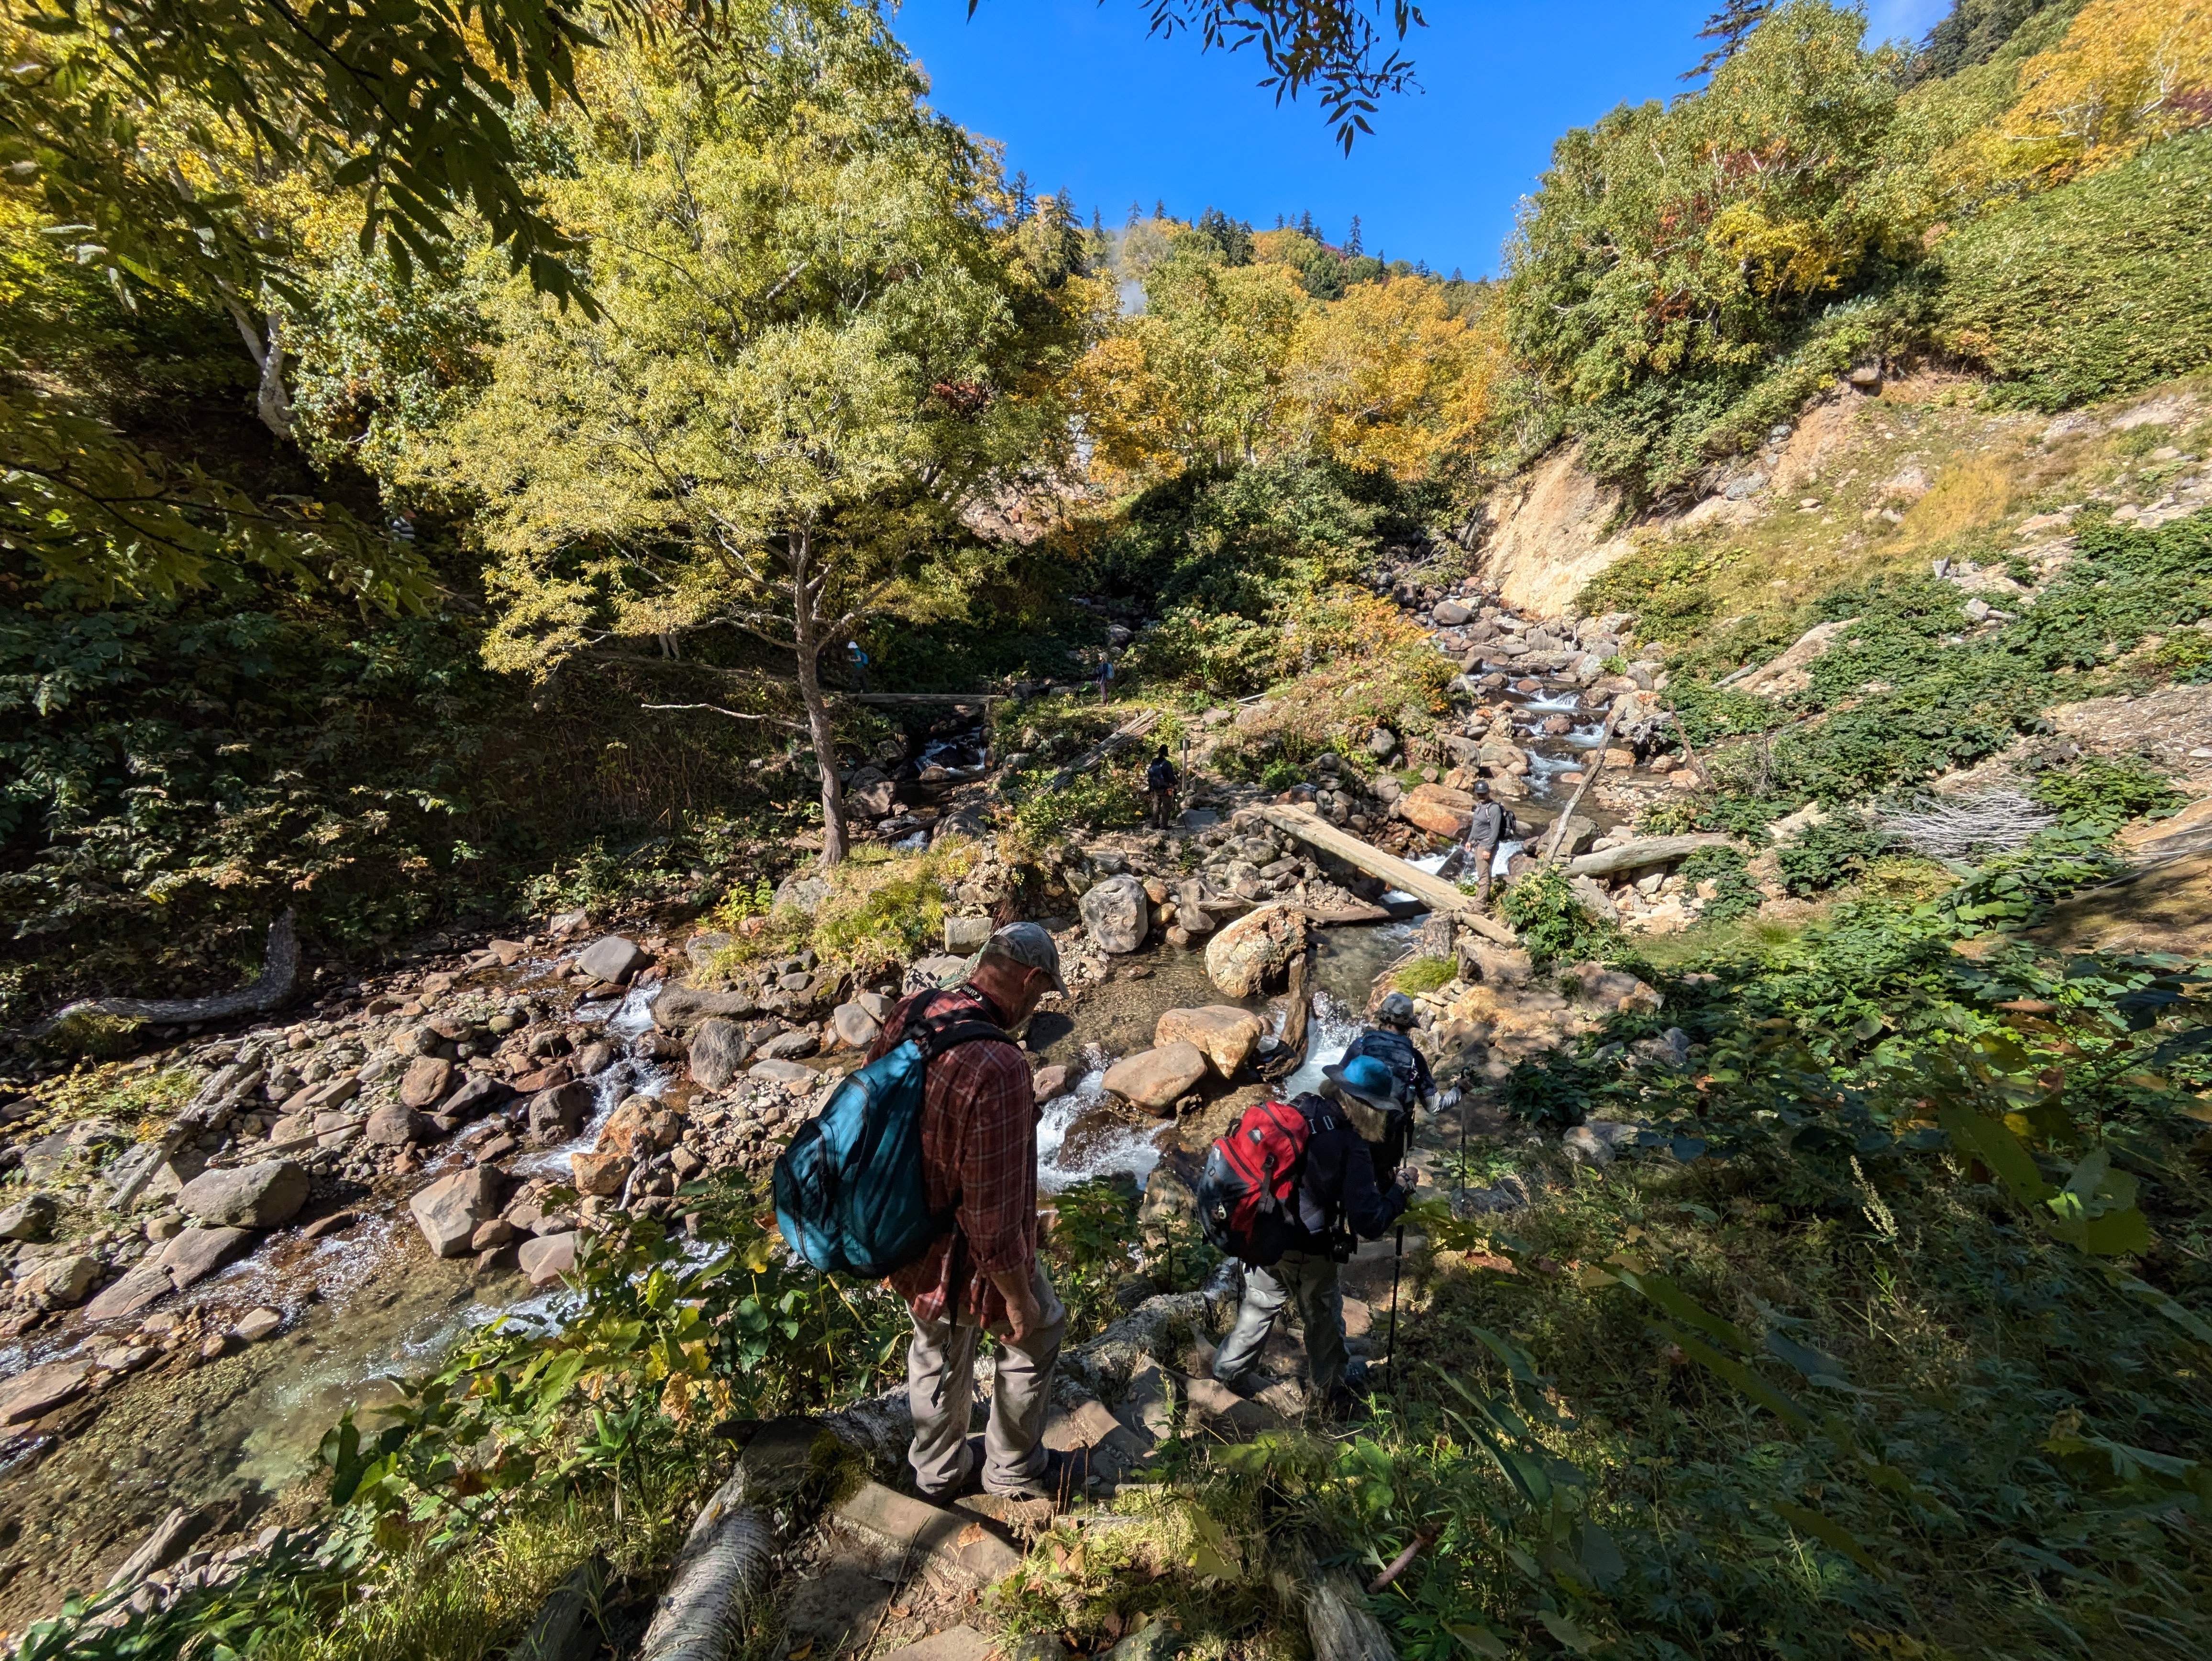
(1308, 1280)
(940, 1384)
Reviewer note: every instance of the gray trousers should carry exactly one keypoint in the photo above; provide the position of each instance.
(1307, 1280)
(940, 1384)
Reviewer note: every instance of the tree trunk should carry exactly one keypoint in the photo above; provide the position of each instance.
(806, 622)
(265, 343)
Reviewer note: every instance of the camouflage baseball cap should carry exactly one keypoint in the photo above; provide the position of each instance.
(1030, 945)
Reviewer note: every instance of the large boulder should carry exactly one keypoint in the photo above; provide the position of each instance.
(560, 1112)
(610, 958)
(1117, 912)
(638, 1126)
(1224, 1034)
(718, 1051)
(602, 1174)
(450, 1209)
(802, 891)
(1254, 953)
(427, 1079)
(1156, 1079)
(142, 1285)
(1609, 991)
(250, 1196)
(680, 1007)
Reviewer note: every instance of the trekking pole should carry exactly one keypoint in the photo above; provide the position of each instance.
(1390, 1343)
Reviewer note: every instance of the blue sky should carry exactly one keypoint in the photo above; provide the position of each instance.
(1082, 98)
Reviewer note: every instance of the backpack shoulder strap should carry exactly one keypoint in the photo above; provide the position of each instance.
(938, 1036)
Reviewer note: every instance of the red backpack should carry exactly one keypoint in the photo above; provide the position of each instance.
(1246, 1195)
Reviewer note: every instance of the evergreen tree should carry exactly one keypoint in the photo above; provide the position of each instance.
(1306, 226)
(1233, 237)
(1730, 27)
(1352, 236)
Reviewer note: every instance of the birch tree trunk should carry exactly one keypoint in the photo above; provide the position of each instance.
(806, 590)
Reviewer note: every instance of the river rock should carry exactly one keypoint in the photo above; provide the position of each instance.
(855, 1027)
(1254, 952)
(772, 1070)
(803, 891)
(1381, 742)
(1428, 814)
(546, 1258)
(427, 1079)
(1117, 914)
(795, 1045)
(560, 1112)
(62, 1282)
(250, 1196)
(1048, 1082)
(480, 1093)
(600, 1173)
(1583, 1146)
(449, 1210)
(28, 1218)
(199, 1252)
(253, 1327)
(1450, 613)
(142, 1285)
(680, 1007)
(1156, 1079)
(637, 1127)
(1224, 1034)
(717, 1051)
(395, 1126)
(1612, 991)
(38, 1392)
(610, 958)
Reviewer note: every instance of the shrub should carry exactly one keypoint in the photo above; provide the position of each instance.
(2093, 790)
(1737, 893)
(1101, 800)
(1830, 853)
(1553, 924)
(2094, 288)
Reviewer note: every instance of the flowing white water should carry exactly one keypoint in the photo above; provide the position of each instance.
(623, 1022)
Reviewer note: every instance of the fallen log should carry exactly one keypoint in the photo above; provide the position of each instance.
(715, 1590)
(1649, 850)
(280, 971)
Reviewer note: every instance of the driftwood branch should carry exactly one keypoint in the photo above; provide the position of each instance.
(280, 972)
(734, 714)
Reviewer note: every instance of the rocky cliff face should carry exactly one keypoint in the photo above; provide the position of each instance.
(1550, 532)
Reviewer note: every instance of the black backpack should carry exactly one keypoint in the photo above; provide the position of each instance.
(1160, 775)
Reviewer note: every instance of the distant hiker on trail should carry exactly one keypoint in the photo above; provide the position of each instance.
(979, 1153)
(1336, 1192)
(1491, 822)
(860, 659)
(1161, 783)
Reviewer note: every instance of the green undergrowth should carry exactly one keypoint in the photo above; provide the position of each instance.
(1886, 1335)
(1913, 689)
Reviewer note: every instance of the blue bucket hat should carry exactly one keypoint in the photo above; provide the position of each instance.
(1368, 1079)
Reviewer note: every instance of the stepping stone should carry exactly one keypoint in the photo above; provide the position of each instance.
(1089, 1424)
(1225, 1413)
(953, 1539)
(953, 1644)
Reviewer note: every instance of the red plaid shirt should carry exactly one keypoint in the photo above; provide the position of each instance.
(979, 1121)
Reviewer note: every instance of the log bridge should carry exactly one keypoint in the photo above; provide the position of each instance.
(1433, 891)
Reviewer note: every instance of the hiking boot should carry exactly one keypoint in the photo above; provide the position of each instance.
(971, 1483)
(1063, 1480)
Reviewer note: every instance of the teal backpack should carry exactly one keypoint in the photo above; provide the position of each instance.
(851, 1196)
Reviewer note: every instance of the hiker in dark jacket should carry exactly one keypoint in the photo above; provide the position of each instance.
(1161, 782)
(978, 1156)
(1336, 1192)
(1387, 1127)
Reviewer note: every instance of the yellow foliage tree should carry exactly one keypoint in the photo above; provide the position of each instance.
(1387, 378)
(1198, 378)
(2129, 73)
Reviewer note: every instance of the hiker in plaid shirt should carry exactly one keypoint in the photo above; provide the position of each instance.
(979, 1155)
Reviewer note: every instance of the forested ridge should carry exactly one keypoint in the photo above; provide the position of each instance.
(477, 475)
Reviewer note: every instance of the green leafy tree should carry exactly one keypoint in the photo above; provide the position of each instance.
(814, 341)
